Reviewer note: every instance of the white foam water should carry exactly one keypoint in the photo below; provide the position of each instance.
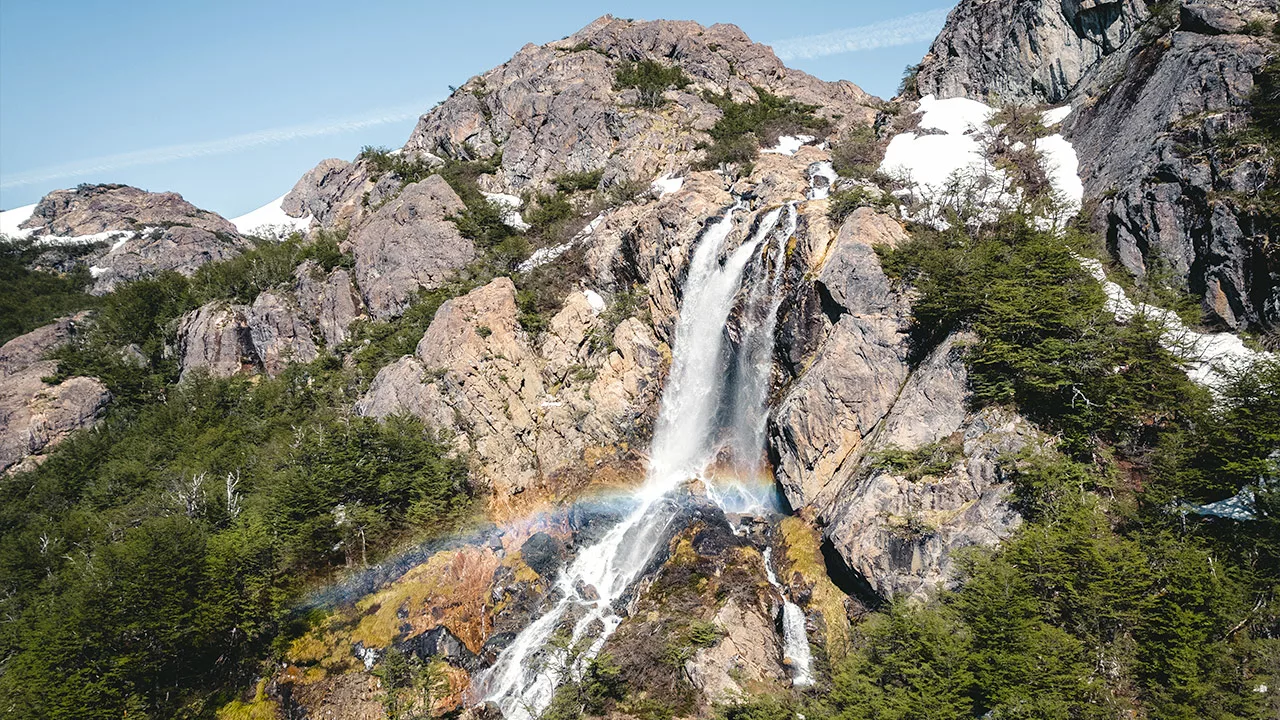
(795, 638)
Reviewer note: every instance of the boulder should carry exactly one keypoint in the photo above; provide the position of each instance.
(329, 300)
(35, 415)
(543, 553)
(279, 333)
(901, 534)
(409, 244)
(216, 338)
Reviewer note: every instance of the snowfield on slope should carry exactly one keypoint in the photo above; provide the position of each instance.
(271, 220)
(11, 219)
(945, 163)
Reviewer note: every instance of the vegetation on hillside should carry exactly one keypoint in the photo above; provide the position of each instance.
(31, 298)
(650, 79)
(1112, 599)
(149, 565)
(745, 127)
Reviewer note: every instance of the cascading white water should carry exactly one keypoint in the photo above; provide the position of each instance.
(755, 353)
(747, 491)
(525, 677)
(795, 639)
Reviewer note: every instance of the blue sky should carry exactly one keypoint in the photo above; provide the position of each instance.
(230, 102)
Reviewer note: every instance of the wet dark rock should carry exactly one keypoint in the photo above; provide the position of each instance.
(438, 642)
(543, 553)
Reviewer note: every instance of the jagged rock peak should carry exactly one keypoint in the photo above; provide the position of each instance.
(92, 209)
(553, 108)
(1021, 52)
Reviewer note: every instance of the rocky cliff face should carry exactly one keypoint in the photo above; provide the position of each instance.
(409, 243)
(1025, 52)
(1161, 93)
(281, 325)
(34, 415)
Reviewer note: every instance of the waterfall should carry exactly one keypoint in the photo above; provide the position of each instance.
(524, 679)
(795, 640)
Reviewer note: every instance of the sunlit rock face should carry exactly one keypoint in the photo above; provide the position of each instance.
(35, 415)
(140, 233)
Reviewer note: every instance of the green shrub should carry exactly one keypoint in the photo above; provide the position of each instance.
(1047, 343)
(932, 459)
(746, 127)
(578, 181)
(650, 79)
(545, 210)
(844, 202)
(144, 314)
(241, 278)
(704, 634)
(32, 298)
(909, 86)
(407, 169)
(858, 152)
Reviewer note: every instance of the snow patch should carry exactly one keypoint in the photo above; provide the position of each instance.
(11, 219)
(1062, 166)
(271, 220)
(954, 116)
(949, 166)
(1055, 116)
(1211, 355)
(510, 205)
(790, 144)
(594, 300)
(116, 237)
(666, 185)
(542, 256)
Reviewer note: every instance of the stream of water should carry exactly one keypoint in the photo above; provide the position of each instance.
(690, 430)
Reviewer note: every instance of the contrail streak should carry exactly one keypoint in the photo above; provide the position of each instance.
(235, 143)
(908, 29)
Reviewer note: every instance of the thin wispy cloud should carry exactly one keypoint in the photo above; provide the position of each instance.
(905, 30)
(224, 146)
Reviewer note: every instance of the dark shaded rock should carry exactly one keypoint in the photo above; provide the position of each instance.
(543, 553)
(1024, 51)
(1170, 196)
(438, 642)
